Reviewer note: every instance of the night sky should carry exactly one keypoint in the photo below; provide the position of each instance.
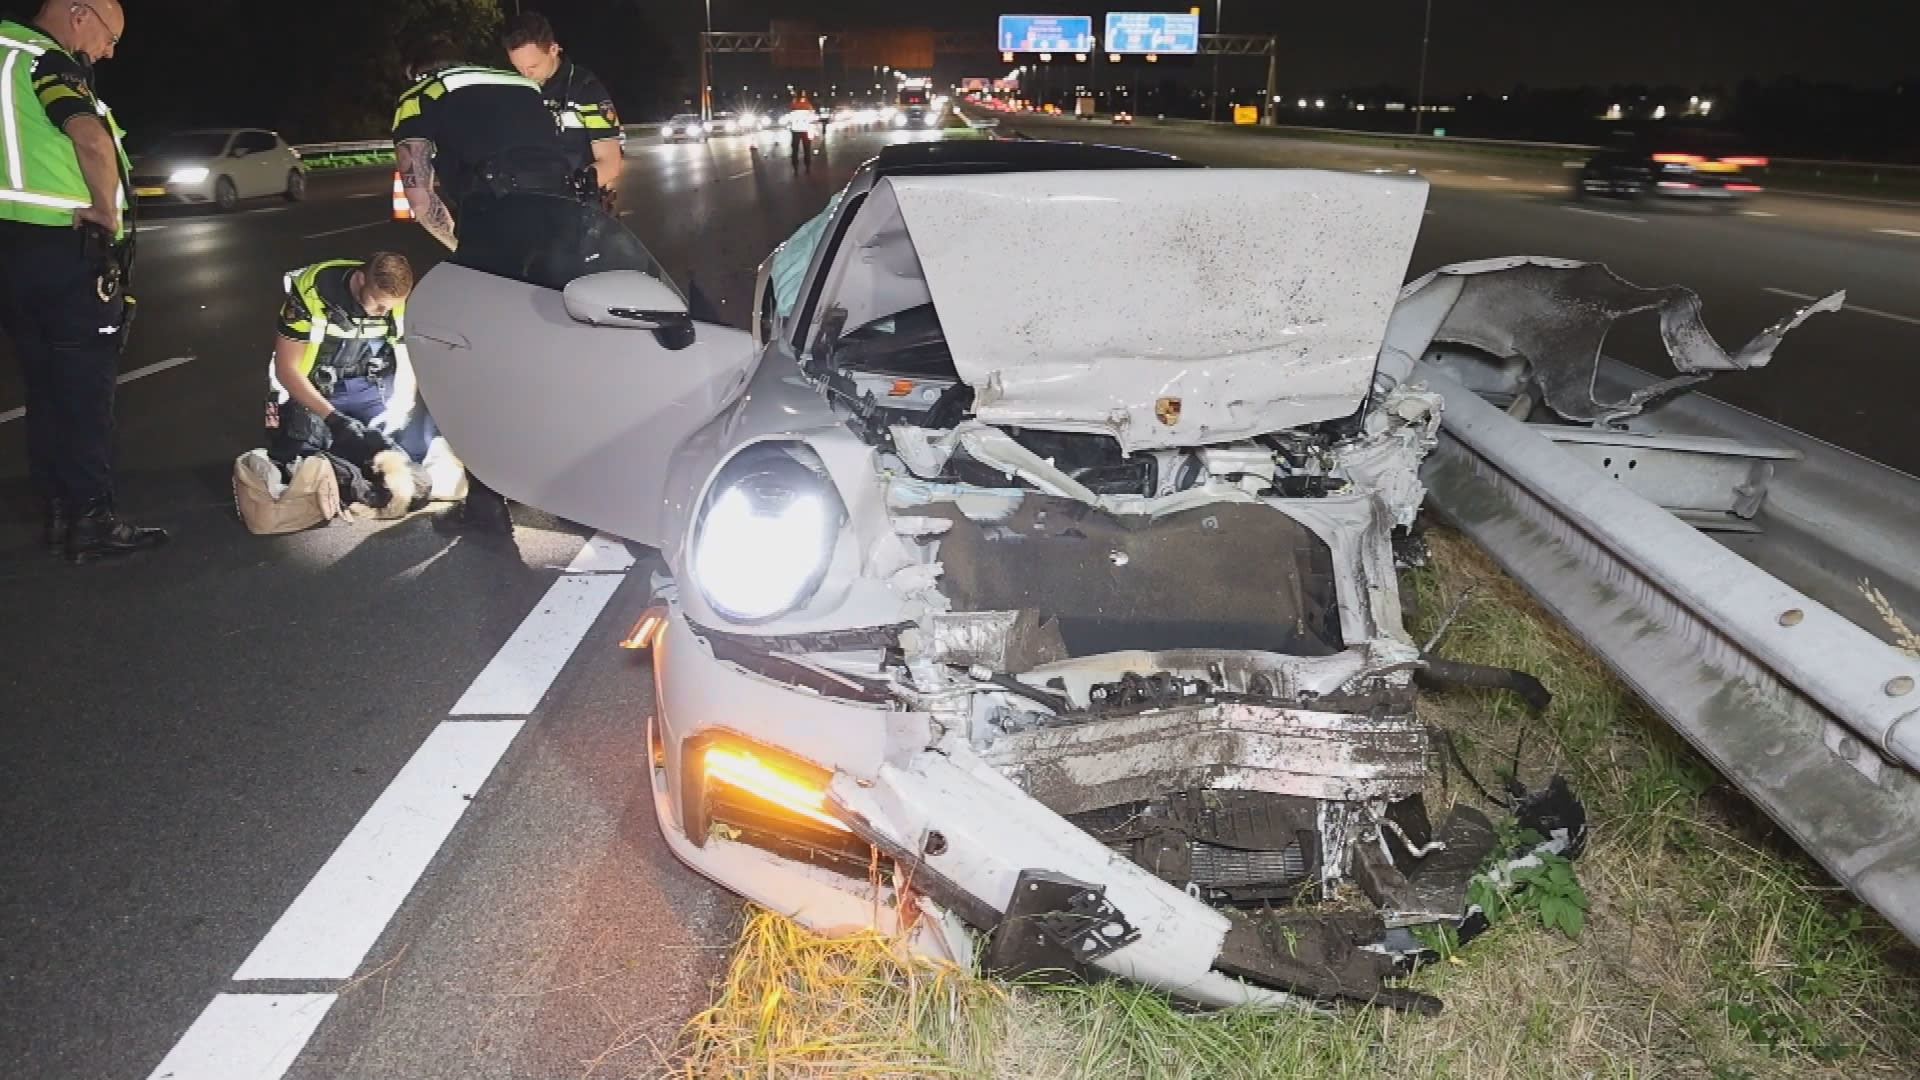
(1476, 44)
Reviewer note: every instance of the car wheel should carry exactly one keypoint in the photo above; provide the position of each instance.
(296, 185)
(225, 195)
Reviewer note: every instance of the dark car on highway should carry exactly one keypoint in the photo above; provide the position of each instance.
(1698, 166)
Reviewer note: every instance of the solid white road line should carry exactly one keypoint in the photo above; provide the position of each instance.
(347, 229)
(126, 377)
(1855, 308)
(245, 1037)
(326, 933)
(601, 554)
(1500, 178)
(328, 929)
(1605, 213)
(1899, 232)
(1757, 213)
(518, 676)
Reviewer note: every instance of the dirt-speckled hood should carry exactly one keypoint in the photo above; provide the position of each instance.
(1166, 307)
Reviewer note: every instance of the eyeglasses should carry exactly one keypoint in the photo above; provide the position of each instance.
(112, 38)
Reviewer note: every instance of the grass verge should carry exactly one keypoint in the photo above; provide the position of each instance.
(1710, 949)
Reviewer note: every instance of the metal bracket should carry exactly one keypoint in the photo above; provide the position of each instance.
(1058, 923)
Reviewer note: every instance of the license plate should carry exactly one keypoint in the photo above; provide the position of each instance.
(149, 192)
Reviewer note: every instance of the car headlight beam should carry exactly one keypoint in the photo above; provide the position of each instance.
(192, 174)
(765, 535)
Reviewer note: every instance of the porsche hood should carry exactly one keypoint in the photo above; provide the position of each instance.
(1167, 307)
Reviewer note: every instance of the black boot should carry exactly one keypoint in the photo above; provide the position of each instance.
(484, 513)
(57, 522)
(98, 533)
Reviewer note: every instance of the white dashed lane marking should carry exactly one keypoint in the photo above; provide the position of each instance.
(245, 1037)
(1855, 308)
(1605, 214)
(328, 930)
(125, 377)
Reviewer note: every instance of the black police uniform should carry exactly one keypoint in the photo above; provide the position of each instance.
(353, 366)
(64, 306)
(492, 134)
(586, 115)
(493, 138)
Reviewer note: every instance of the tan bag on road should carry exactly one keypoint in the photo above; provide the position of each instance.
(311, 498)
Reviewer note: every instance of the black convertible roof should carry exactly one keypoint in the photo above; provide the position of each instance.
(1014, 155)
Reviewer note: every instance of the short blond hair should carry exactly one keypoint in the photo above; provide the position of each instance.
(390, 274)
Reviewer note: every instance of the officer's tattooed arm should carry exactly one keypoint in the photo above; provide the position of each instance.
(414, 159)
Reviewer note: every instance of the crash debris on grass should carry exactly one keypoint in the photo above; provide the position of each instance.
(1702, 947)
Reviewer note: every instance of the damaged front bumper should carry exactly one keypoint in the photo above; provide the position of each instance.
(1206, 850)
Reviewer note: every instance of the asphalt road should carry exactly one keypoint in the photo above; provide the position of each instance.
(1843, 377)
(201, 744)
(189, 737)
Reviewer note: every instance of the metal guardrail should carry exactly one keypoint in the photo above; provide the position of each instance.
(322, 149)
(1813, 717)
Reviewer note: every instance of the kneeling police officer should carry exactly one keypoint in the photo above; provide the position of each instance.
(340, 365)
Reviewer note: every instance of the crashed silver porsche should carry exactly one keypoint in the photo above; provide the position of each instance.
(1032, 560)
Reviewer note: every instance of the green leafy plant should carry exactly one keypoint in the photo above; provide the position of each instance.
(1545, 887)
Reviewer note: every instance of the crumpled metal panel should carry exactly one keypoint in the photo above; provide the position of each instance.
(1556, 315)
(1211, 304)
(1316, 755)
(1002, 641)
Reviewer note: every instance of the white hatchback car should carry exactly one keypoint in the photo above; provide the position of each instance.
(1066, 618)
(220, 166)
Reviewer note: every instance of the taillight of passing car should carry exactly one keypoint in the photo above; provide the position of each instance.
(1678, 159)
(1677, 185)
(1745, 162)
(1743, 187)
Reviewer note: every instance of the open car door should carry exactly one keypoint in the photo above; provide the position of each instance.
(561, 365)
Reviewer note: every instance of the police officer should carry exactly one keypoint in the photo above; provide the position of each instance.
(465, 138)
(589, 124)
(340, 364)
(65, 249)
(475, 133)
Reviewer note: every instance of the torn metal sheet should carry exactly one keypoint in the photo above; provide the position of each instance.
(997, 640)
(1556, 315)
(1231, 747)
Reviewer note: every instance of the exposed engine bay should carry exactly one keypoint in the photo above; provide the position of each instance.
(1193, 654)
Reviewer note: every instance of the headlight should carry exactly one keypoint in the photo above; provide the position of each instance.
(899, 121)
(707, 127)
(667, 131)
(192, 174)
(765, 533)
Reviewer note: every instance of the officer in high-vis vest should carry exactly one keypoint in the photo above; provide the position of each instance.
(65, 251)
(340, 364)
(472, 132)
(589, 123)
(471, 143)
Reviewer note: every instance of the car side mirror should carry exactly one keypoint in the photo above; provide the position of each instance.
(631, 299)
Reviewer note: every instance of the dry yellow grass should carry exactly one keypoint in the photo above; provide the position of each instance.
(1710, 949)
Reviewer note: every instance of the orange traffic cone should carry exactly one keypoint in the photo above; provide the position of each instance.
(402, 211)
